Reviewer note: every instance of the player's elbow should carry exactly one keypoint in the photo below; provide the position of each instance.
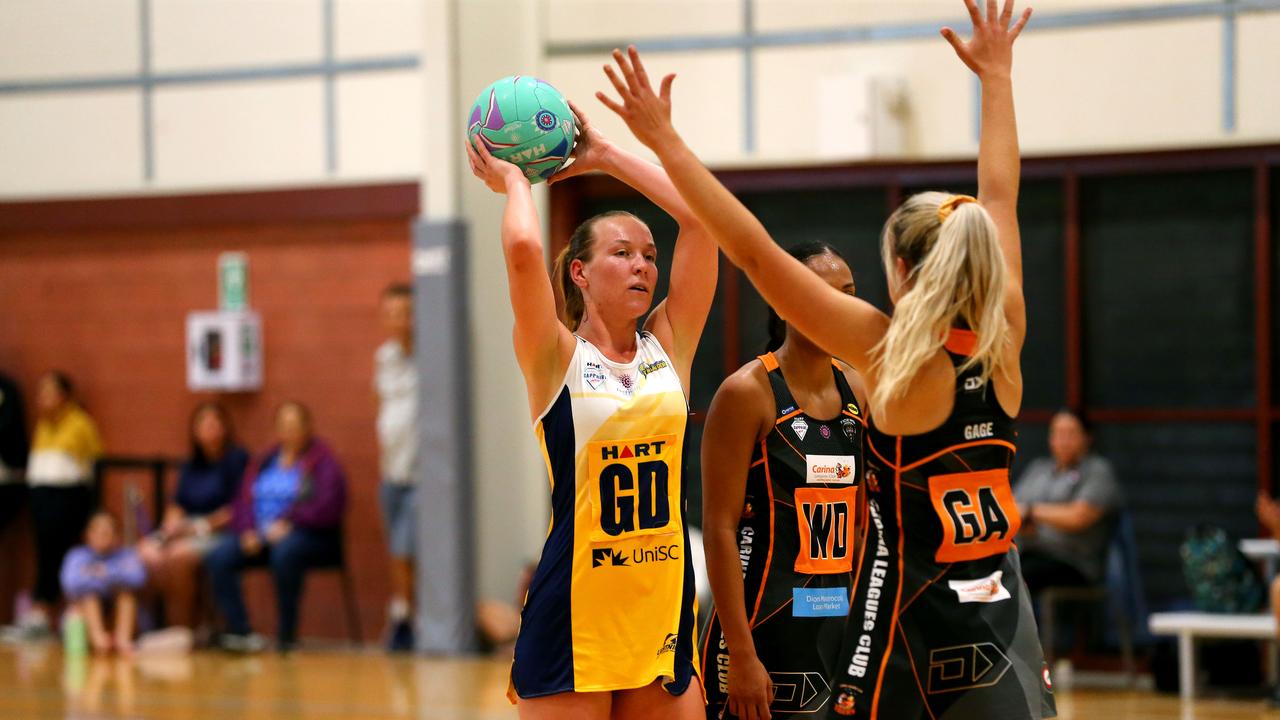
(524, 252)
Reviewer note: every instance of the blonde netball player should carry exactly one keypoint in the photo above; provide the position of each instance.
(940, 625)
(608, 625)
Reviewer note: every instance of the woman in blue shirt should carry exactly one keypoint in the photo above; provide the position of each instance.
(199, 514)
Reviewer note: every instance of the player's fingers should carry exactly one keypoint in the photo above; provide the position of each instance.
(1016, 30)
(1006, 14)
(974, 15)
(618, 85)
(665, 91)
(991, 10)
(581, 117)
(627, 72)
(956, 42)
(482, 150)
(609, 103)
(642, 76)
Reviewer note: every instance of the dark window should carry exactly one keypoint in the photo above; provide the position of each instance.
(1168, 290)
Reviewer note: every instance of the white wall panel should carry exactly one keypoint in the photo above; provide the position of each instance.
(380, 128)
(42, 39)
(1259, 79)
(245, 133)
(791, 83)
(706, 98)
(60, 144)
(778, 15)
(578, 20)
(364, 28)
(213, 34)
(1135, 86)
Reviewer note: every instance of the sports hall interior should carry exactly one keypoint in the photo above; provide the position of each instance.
(321, 141)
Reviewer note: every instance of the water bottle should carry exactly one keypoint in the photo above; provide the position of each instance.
(75, 636)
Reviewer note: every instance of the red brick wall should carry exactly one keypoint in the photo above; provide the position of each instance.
(109, 306)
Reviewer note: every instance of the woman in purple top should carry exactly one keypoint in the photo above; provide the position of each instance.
(287, 515)
(200, 513)
(101, 572)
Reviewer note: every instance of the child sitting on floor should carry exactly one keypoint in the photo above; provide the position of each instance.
(101, 574)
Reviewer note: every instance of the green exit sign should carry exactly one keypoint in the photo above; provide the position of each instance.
(233, 281)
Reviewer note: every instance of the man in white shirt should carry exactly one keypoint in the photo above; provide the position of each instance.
(396, 384)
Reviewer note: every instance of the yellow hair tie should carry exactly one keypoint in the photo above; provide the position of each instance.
(953, 202)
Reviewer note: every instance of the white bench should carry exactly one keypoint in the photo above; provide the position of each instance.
(1189, 626)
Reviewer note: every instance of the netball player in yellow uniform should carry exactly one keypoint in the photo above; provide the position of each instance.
(608, 625)
(940, 625)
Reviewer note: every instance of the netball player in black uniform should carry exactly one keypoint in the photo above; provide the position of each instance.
(782, 466)
(941, 626)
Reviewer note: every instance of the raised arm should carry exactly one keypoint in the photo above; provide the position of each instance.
(989, 54)
(678, 320)
(543, 344)
(844, 326)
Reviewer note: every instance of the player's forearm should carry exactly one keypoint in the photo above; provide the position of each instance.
(650, 180)
(724, 571)
(999, 162)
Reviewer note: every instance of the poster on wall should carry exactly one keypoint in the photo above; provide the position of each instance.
(224, 351)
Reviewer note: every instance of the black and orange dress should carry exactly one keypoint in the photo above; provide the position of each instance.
(796, 540)
(941, 626)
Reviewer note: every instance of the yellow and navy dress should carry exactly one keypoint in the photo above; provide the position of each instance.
(611, 605)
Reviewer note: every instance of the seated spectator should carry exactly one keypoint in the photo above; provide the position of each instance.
(200, 514)
(288, 515)
(1066, 502)
(60, 474)
(101, 575)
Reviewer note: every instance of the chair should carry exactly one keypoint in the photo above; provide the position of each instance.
(1121, 590)
(350, 605)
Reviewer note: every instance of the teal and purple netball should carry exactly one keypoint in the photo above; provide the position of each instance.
(524, 121)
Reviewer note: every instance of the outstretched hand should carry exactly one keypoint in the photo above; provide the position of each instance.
(990, 50)
(494, 172)
(647, 114)
(590, 152)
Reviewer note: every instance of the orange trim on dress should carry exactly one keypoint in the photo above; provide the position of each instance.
(769, 361)
(953, 448)
(962, 342)
(897, 599)
(768, 559)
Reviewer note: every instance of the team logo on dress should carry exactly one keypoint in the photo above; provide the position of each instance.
(983, 590)
(546, 119)
(605, 556)
(852, 408)
(625, 381)
(824, 431)
(973, 384)
(848, 425)
(800, 427)
(873, 482)
(593, 374)
(1048, 681)
(669, 645)
(652, 367)
(846, 700)
(825, 469)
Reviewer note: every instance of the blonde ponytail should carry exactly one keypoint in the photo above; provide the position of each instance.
(956, 276)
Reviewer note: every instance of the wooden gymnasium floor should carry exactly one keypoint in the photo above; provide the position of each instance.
(35, 683)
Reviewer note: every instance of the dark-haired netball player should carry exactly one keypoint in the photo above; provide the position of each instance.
(782, 464)
(608, 626)
(940, 625)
